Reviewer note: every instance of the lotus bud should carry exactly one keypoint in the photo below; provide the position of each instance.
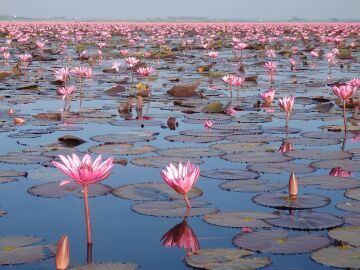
(62, 258)
(293, 185)
(19, 121)
(11, 110)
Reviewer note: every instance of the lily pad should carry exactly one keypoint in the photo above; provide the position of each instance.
(345, 164)
(353, 206)
(173, 208)
(229, 174)
(353, 219)
(318, 154)
(239, 147)
(54, 190)
(136, 123)
(328, 135)
(259, 138)
(217, 259)
(349, 235)
(341, 256)
(106, 266)
(192, 139)
(306, 221)
(255, 157)
(46, 174)
(353, 194)
(281, 130)
(121, 149)
(21, 249)
(216, 118)
(204, 133)
(70, 140)
(126, 137)
(252, 185)
(280, 242)
(151, 191)
(23, 158)
(162, 161)
(280, 167)
(240, 219)
(189, 152)
(329, 182)
(313, 141)
(284, 201)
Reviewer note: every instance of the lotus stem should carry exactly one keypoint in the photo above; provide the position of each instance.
(344, 114)
(287, 120)
(87, 215)
(89, 254)
(187, 200)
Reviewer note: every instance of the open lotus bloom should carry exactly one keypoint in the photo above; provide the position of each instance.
(181, 179)
(344, 91)
(182, 236)
(84, 172)
(340, 172)
(208, 124)
(268, 96)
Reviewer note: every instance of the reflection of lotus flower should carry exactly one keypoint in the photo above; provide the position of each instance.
(246, 230)
(285, 147)
(85, 172)
(270, 66)
(181, 179)
(208, 124)
(62, 258)
(182, 236)
(339, 172)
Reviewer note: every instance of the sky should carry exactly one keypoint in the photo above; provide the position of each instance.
(213, 9)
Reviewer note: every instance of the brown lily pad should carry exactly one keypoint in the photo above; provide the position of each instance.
(151, 191)
(328, 135)
(345, 164)
(259, 138)
(281, 130)
(23, 158)
(353, 194)
(240, 219)
(341, 256)
(136, 123)
(71, 140)
(280, 167)
(329, 182)
(318, 154)
(192, 139)
(121, 149)
(21, 249)
(349, 235)
(106, 266)
(221, 258)
(313, 141)
(184, 90)
(239, 147)
(162, 161)
(353, 219)
(189, 152)
(173, 208)
(280, 242)
(284, 201)
(12, 173)
(54, 190)
(126, 137)
(252, 185)
(306, 221)
(255, 157)
(353, 206)
(229, 174)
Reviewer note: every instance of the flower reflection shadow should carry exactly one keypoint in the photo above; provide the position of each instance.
(181, 236)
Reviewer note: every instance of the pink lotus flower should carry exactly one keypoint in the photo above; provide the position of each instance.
(124, 52)
(270, 53)
(208, 124)
(356, 138)
(285, 147)
(344, 91)
(292, 64)
(79, 71)
(116, 66)
(246, 230)
(314, 53)
(240, 46)
(63, 74)
(145, 71)
(339, 172)
(66, 91)
(213, 54)
(270, 66)
(25, 57)
(228, 79)
(182, 236)
(181, 179)
(84, 172)
(287, 103)
(40, 44)
(230, 111)
(6, 55)
(84, 54)
(101, 45)
(355, 83)
(268, 96)
(237, 81)
(131, 61)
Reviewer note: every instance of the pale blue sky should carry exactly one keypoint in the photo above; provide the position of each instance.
(140, 9)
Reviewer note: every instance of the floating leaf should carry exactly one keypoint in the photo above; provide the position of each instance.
(313, 141)
(252, 185)
(318, 154)
(192, 139)
(345, 164)
(184, 90)
(151, 191)
(229, 174)
(255, 157)
(349, 235)
(162, 161)
(259, 138)
(217, 259)
(54, 190)
(173, 208)
(21, 249)
(126, 137)
(328, 135)
(23, 158)
(189, 152)
(121, 149)
(214, 107)
(70, 140)
(329, 182)
(280, 167)
(306, 221)
(353, 206)
(279, 242)
(284, 201)
(46, 174)
(353, 219)
(106, 266)
(342, 257)
(239, 147)
(281, 130)
(353, 194)
(240, 219)
(136, 123)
